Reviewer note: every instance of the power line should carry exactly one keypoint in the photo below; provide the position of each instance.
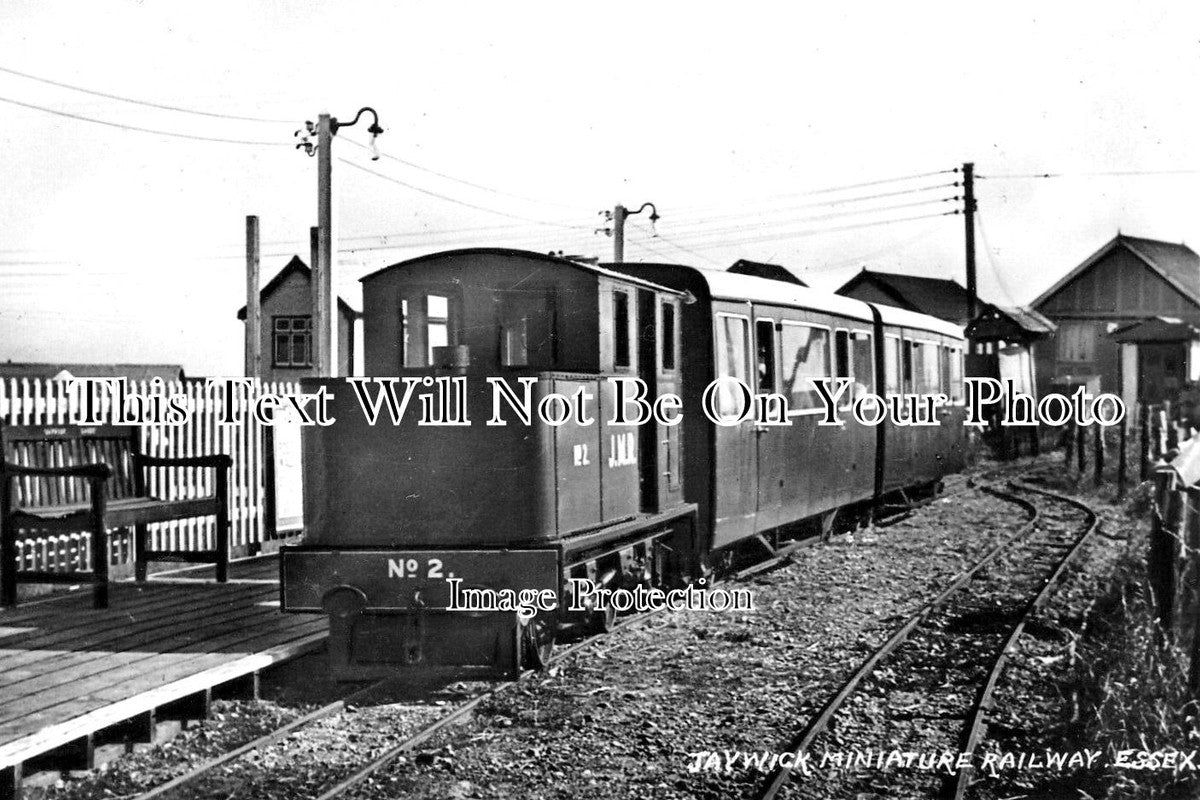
(849, 186)
(992, 259)
(894, 247)
(816, 217)
(677, 246)
(823, 203)
(162, 106)
(819, 231)
(456, 201)
(140, 129)
(1113, 174)
(481, 187)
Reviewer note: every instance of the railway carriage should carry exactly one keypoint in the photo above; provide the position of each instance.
(397, 514)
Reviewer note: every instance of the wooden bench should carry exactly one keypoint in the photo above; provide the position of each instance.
(68, 479)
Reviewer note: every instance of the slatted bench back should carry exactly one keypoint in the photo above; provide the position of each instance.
(66, 446)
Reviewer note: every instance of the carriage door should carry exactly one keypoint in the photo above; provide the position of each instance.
(654, 357)
(660, 367)
(769, 440)
(735, 473)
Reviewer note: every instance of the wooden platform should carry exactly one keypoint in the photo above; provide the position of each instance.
(73, 678)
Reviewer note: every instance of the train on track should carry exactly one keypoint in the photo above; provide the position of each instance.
(396, 515)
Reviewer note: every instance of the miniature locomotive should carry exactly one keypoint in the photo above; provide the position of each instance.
(401, 512)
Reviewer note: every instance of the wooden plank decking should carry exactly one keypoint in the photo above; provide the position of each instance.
(69, 671)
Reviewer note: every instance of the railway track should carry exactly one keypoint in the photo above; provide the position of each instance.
(955, 647)
(192, 783)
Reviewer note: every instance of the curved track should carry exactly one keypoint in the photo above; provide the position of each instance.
(1041, 535)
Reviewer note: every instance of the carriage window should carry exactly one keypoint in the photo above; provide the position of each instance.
(620, 329)
(891, 365)
(841, 346)
(437, 323)
(908, 367)
(862, 363)
(926, 367)
(732, 333)
(805, 359)
(954, 374)
(668, 336)
(764, 337)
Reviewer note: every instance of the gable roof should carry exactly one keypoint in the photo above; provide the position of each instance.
(937, 297)
(761, 269)
(1177, 264)
(1009, 323)
(1157, 329)
(295, 266)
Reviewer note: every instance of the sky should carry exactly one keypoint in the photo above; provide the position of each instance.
(514, 124)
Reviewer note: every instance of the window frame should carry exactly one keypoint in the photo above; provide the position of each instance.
(621, 333)
(774, 353)
(291, 333)
(748, 354)
(818, 409)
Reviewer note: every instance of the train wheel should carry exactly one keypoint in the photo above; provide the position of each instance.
(604, 621)
(537, 641)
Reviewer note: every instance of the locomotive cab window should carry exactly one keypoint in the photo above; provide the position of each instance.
(426, 322)
(764, 342)
(525, 328)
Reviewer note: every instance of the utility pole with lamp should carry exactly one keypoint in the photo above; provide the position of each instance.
(324, 319)
(617, 217)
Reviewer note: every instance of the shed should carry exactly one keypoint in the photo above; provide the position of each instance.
(1127, 281)
(937, 297)
(760, 269)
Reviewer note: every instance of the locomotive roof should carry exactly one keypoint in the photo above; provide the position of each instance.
(526, 254)
(724, 285)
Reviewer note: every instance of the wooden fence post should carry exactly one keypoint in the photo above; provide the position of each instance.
(1144, 444)
(1098, 445)
(1169, 507)
(1189, 581)
(1068, 446)
(1122, 462)
(1081, 447)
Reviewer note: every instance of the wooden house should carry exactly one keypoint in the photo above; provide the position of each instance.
(287, 326)
(1128, 280)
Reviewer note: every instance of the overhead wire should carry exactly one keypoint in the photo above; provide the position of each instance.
(138, 128)
(123, 99)
(720, 231)
(478, 186)
(1111, 174)
(456, 201)
(821, 231)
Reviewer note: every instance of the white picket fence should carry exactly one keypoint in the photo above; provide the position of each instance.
(50, 402)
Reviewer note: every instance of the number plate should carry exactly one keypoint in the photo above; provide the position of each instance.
(402, 579)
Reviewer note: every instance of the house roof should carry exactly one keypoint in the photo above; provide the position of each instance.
(293, 267)
(60, 371)
(937, 297)
(1008, 323)
(1177, 264)
(1157, 329)
(761, 269)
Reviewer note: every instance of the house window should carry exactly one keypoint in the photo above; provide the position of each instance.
(293, 341)
(1076, 342)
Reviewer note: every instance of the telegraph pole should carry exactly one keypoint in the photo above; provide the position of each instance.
(617, 217)
(324, 333)
(969, 218)
(324, 317)
(254, 333)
